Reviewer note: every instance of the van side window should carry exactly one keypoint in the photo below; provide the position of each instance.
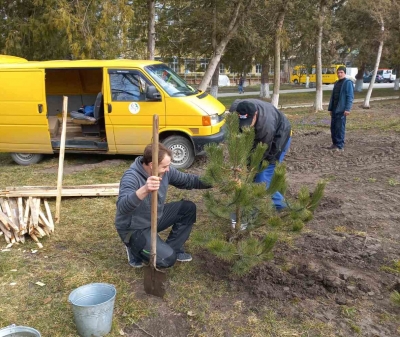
(127, 85)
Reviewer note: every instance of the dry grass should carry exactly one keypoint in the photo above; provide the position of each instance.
(85, 248)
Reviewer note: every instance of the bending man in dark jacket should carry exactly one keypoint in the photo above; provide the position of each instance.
(339, 107)
(271, 128)
(133, 218)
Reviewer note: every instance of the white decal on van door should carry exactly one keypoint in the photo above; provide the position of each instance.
(134, 108)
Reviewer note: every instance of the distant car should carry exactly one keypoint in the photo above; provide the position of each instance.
(378, 79)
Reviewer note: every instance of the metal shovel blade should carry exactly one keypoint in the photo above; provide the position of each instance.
(154, 281)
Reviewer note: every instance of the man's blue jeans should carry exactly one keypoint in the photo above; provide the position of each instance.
(266, 176)
(338, 129)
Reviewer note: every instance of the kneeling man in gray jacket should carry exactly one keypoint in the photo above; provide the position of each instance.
(133, 217)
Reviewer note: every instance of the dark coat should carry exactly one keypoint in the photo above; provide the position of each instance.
(271, 128)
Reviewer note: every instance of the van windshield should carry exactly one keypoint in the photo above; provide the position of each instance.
(170, 81)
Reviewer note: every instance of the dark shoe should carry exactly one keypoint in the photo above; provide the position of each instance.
(133, 261)
(332, 147)
(183, 257)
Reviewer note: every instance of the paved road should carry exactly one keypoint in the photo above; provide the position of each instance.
(324, 87)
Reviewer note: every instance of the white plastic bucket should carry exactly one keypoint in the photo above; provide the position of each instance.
(93, 306)
(19, 331)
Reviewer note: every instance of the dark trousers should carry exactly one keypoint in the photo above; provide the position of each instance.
(338, 129)
(181, 215)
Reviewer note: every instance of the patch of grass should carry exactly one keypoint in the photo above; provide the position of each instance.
(344, 229)
(348, 312)
(395, 298)
(393, 182)
(372, 180)
(355, 328)
(393, 269)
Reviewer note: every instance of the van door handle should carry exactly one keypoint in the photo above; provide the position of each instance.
(109, 107)
(40, 108)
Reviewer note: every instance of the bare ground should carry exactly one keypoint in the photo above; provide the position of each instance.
(336, 271)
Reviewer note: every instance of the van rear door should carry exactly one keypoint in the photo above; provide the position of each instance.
(23, 124)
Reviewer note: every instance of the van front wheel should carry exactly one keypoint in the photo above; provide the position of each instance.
(182, 151)
(26, 158)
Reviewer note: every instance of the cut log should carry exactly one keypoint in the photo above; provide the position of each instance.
(48, 212)
(6, 232)
(26, 213)
(60, 173)
(14, 212)
(50, 188)
(85, 192)
(45, 222)
(20, 214)
(35, 215)
(4, 219)
(34, 238)
(39, 232)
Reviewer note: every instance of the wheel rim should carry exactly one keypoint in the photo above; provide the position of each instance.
(180, 154)
(25, 156)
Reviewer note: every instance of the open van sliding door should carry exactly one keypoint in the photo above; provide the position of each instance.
(130, 114)
(23, 124)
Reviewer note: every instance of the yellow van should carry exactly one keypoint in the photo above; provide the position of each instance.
(110, 104)
(329, 74)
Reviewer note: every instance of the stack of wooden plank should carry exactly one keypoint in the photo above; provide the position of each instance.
(21, 216)
(67, 191)
(25, 211)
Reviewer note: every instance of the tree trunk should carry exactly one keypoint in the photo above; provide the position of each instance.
(378, 59)
(277, 58)
(359, 78)
(218, 48)
(318, 93)
(264, 88)
(214, 82)
(151, 32)
(396, 81)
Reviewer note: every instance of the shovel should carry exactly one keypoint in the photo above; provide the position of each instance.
(154, 279)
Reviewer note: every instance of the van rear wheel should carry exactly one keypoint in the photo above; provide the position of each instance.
(182, 151)
(26, 158)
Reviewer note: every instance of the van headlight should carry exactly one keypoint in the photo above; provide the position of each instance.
(210, 120)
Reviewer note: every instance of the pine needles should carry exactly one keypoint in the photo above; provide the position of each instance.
(251, 225)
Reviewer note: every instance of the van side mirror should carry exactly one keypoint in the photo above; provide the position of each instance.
(152, 93)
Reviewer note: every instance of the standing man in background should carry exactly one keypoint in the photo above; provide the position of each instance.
(241, 84)
(339, 108)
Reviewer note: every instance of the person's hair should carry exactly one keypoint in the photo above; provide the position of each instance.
(341, 68)
(162, 152)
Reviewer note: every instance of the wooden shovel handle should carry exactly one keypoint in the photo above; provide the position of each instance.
(153, 253)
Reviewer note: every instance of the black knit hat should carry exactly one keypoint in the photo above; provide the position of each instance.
(341, 68)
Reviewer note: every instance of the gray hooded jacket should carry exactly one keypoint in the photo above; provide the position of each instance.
(133, 213)
(272, 128)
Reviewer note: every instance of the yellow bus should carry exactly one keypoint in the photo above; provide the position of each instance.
(329, 74)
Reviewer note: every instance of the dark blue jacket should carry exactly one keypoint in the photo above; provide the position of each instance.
(345, 98)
